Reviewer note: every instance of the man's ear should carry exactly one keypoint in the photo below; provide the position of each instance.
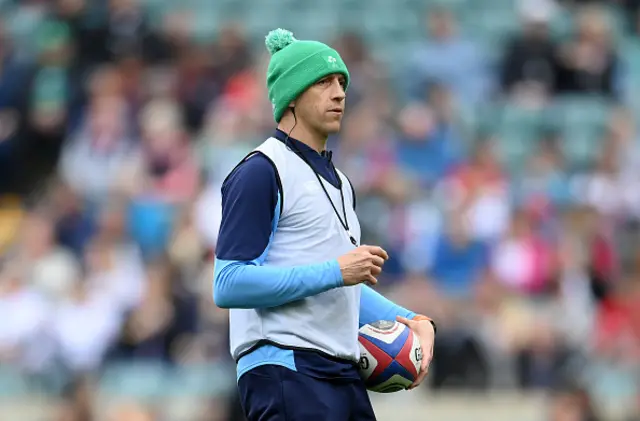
(292, 104)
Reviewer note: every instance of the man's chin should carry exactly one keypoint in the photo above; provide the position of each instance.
(333, 127)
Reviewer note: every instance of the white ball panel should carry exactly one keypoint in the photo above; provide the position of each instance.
(416, 352)
(367, 363)
(387, 333)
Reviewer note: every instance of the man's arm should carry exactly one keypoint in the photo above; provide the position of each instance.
(250, 211)
(374, 307)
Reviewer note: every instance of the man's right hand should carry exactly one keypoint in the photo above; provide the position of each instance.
(362, 264)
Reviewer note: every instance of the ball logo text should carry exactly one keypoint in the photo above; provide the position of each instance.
(364, 363)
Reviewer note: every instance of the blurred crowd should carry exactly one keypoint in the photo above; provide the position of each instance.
(503, 181)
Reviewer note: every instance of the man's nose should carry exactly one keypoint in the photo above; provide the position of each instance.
(338, 93)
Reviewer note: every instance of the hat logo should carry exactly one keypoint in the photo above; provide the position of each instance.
(332, 61)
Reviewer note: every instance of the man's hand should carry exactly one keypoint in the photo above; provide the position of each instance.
(426, 334)
(362, 264)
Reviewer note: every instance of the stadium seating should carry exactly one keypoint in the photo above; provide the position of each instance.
(488, 22)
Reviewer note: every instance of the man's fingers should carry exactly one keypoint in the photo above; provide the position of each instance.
(378, 251)
(419, 380)
(377, 260)
(371, 280)
(424, 369)
(382, 253)
(425, 366)
(426, 360)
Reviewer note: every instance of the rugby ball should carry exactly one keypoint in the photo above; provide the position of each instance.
(390, 356)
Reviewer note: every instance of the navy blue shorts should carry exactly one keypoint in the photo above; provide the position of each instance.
(276, 393)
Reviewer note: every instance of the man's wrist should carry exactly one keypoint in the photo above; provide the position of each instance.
(420, 317)
(334, 269)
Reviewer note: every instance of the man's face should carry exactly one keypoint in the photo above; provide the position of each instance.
(321, 106)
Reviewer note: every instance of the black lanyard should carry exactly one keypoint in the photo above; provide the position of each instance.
(345, 222)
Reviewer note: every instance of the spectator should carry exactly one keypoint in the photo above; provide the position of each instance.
(544, 187)
(83, 327)
(521, 261)
(49, 268)
(479, 188)
(146, 334)
(206, 219)
(605, 187)
(621, 137)
(585, 242)
(14, 77)
(51, 95)
(588, 62)
(127, 31)
(23, 342)
(74, 224)
(195, 85)
(571, 300)
(118, 264)
(225, 139)
(448, 58)
(429, 147)
(99, 150)
(232, 54)
(543, 361)
(618, 328)
(616, 350)
(527, 67)
(89, 45)
(458, 260)
(170, 170)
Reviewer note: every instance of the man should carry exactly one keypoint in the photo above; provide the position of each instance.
(288, 263)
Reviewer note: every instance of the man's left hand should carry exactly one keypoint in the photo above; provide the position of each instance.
(426, 334)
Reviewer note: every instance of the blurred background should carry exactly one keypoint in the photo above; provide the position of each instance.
(493, 146)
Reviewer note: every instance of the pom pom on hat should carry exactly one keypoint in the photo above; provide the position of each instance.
(277, 39)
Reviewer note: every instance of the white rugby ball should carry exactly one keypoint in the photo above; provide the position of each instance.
(390, 356)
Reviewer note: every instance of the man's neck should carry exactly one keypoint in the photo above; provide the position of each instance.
(301, 133)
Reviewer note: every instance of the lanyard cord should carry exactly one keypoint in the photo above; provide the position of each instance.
(345, 222)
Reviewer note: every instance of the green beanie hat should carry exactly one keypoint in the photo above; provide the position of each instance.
(295, 65)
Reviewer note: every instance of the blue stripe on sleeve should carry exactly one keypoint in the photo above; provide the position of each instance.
(374, 307)
(248, 285)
